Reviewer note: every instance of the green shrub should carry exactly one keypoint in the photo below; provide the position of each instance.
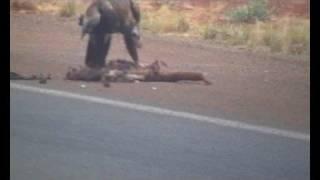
(240, 14)
(254, 10)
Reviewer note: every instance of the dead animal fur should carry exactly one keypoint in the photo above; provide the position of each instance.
(175, 77)
(84, 74)
(124, 71)
(41, 78)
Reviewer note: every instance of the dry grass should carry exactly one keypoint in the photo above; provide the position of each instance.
(164, 20)
(72, 8)
(49, 6)
(66, 8)
(24, 6)
(287, 35)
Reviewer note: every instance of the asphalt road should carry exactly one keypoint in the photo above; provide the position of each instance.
(61, 138)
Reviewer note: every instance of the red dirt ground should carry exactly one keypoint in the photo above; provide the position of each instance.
(249, 87)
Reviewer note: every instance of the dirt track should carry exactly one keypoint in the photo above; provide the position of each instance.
(258, 89)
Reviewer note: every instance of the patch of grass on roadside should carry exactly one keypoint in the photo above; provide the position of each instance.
(63, 8)
(297, 36)
(69, 9)
(24, 6)
(253, 11)
(287, 35)
(229, 33)
(48, 6)
(165, 20)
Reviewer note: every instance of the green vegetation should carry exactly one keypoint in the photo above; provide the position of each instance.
(250, 25)
(288, 35)
(253, 11)
(285, 35)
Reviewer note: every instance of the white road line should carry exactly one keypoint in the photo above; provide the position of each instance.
(162, 111)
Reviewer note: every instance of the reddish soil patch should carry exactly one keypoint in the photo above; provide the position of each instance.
(254, 88)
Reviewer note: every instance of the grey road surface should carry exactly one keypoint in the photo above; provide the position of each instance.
(59, 138)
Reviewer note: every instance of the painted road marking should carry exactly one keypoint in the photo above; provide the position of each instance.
(162, 111)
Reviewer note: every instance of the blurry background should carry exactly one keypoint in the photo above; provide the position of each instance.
(281, 26)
